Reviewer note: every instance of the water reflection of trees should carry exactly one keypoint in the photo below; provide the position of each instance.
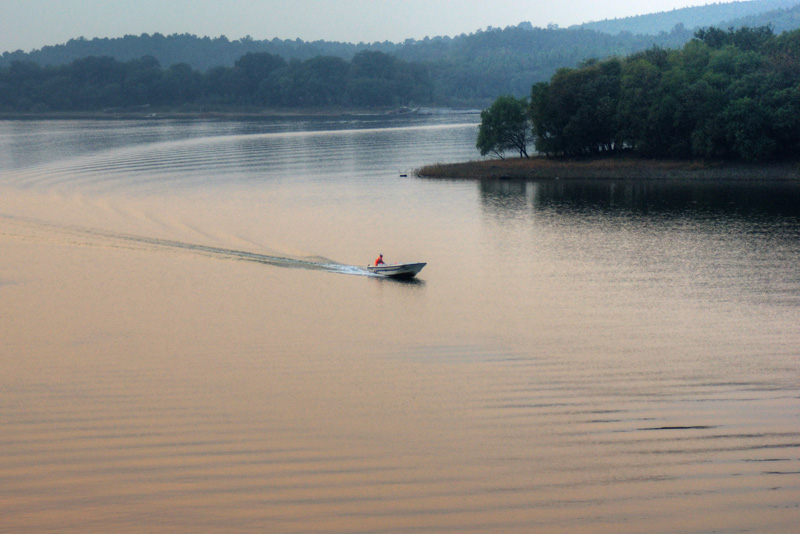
(511, 198)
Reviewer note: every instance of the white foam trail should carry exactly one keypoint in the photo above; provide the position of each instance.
(349, 269)
(319, 264)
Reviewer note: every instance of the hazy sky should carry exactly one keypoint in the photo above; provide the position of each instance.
(29, 24)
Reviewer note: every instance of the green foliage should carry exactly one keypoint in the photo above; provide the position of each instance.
(464, 70)
(576, 114)
(726, 95)
(742, 39)
(467, 70)
(371, 79)
(504, 126)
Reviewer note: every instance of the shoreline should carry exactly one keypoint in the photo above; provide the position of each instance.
(626, 168)
(230, 114)
(191, 115)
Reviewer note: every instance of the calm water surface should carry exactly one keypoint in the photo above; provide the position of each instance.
(190, 343)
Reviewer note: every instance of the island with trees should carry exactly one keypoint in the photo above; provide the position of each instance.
(729, 96)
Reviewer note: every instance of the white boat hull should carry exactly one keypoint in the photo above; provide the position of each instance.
(397, 270)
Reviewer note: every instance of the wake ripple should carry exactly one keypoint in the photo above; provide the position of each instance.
(312, 263)
(322, 264)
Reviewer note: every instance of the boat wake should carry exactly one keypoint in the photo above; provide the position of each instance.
(317, 264)
(99, 237)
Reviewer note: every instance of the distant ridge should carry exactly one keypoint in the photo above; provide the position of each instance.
(204, 53)
(717, 14)
(781, 20)
(463, 71)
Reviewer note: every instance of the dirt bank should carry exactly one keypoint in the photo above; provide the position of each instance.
(608, 168)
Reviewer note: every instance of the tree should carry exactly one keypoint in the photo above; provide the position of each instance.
(748, 130)
(577, 113)
(638, 90)
(724, 95)
(256, 67)
(504, 126)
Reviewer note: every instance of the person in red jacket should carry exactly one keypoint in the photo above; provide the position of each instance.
(379, 260)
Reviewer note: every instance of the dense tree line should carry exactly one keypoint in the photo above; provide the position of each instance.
(202, 53)
(468, 70)
(465, 70)
(370, 79)
(731, 94)
(461, 71)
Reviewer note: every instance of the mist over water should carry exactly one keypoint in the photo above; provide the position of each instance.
(184, 347)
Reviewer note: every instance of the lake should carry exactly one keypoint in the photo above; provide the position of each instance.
(189, 341)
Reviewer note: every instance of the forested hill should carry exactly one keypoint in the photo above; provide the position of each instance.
(752, 13)
(468, 70)
(204, 53)
(201, 53)
(781, 20)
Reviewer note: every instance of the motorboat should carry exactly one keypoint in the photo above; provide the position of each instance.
(397, 270)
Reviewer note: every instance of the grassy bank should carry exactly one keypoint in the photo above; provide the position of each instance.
(608, 168)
